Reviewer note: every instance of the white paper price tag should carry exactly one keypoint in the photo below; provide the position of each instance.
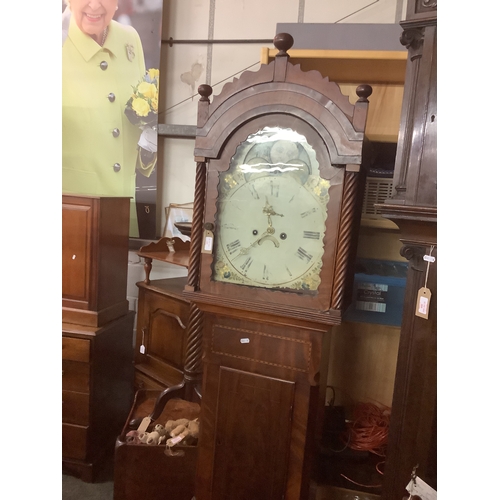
(176, 440)
(144, 425)
(423, 302)
(208, 241)
(422, 489)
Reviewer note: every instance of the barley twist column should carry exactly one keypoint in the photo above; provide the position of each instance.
(344, 244)
(197, 228)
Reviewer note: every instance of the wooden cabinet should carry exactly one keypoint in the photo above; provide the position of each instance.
(162, 320)
(94, 259)
(97, 330)
(97, 391)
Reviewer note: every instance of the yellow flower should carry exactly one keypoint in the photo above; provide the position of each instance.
(148, 90)
(154, 104)
(141, 107)
(154, 73)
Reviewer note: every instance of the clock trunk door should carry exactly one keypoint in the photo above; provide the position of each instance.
(253, 414)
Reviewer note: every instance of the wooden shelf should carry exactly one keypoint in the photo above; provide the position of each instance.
(349, 66)
(159, 250)
(383, 70)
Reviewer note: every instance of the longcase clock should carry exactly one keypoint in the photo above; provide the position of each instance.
(276, 213)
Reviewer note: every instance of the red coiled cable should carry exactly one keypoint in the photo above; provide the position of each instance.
(368, 429)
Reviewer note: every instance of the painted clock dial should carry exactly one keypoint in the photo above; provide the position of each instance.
(271, 214)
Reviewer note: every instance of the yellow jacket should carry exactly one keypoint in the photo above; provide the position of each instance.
(99, 144)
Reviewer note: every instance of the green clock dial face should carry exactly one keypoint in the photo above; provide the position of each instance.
(271, 214)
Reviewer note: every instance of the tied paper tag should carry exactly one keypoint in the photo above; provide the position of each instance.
(208, 241)
(144, 424)
(175, 440)
(142, 348)
(422, 489)
(423, 303)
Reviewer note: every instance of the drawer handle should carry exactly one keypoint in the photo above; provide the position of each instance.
(245, 340)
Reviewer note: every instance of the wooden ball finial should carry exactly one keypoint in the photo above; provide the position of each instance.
(364, 91)
(283, 42)
(205, 91)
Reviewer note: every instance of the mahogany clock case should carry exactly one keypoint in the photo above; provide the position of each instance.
(265, 349)
(281, 95)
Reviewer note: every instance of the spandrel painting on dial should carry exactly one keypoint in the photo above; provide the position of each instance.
(110, 81)
(275, 175)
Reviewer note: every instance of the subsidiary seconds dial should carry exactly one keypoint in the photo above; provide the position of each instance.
(270, 233)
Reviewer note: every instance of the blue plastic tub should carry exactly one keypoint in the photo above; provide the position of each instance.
(378, 292)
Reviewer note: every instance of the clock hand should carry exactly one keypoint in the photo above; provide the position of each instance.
(245, 250)
(269, 210)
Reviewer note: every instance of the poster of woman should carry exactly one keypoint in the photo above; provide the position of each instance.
(109, 98)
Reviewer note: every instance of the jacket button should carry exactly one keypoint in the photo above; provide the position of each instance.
(116, 132)
(104, 65)
(111, 97)
(117, 167)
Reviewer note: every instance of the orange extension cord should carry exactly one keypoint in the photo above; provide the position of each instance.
(368, 431)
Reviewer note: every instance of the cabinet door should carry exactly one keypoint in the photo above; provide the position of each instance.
(260, 406)
(166, 337)
(76, 251)
(252, 436)
(161, 328)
